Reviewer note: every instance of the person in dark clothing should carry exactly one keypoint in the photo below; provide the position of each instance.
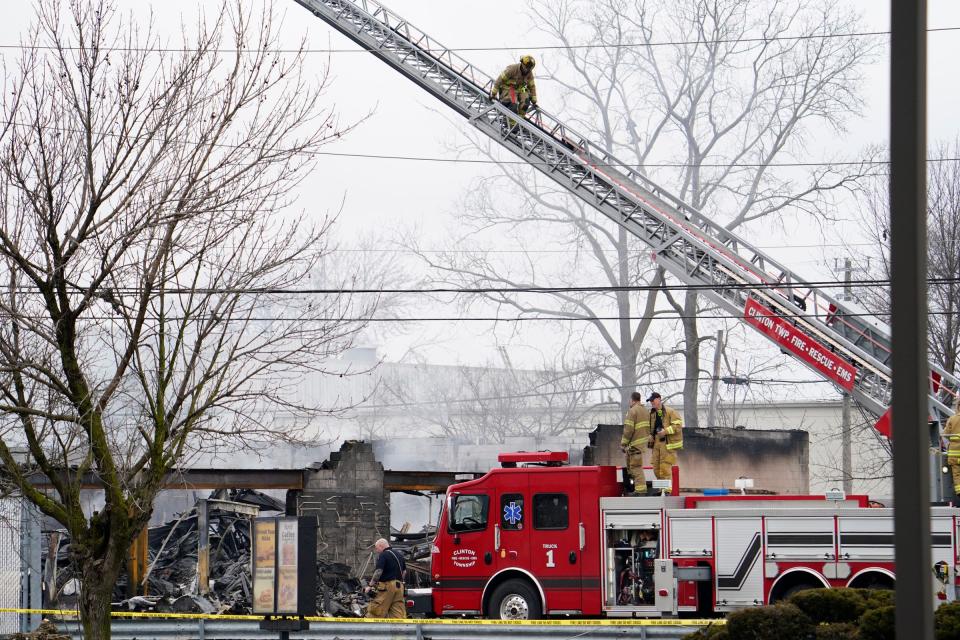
(387, 583)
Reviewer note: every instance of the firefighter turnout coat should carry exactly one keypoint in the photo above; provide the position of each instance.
(636, 429)
(514, 78)
(951, 433)
(672, 426)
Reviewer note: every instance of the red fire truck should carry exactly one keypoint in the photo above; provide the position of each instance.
(540, 538)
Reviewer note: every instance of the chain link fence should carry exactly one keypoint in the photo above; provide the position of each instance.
(19, 564)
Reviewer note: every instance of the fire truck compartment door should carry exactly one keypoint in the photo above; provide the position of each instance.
(631, 519)
(807, 538)
(866, 538)
(739, 575)
(691, 537)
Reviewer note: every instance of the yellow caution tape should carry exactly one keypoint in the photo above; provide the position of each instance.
(613, 622)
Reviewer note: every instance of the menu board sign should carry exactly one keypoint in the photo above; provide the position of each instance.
(287, 566)
(264, 564)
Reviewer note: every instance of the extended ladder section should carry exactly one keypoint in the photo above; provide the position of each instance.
(845, 345)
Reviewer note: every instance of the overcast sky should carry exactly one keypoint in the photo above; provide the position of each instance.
(387, 196)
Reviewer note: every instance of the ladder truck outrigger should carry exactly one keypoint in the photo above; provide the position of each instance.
(719, 554)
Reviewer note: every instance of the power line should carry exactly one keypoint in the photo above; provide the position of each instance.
(664, 165)
(487, 161)
(635, 252)
(733, 286)
(520, 396)
(540, 317)
(525, 47)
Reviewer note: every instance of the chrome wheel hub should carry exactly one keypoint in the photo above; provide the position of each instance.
(514, 607)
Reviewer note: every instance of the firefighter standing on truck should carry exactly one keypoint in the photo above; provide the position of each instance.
(515, 87)
(951, 433)
(666, 436)
(636, 434)
(387, 583)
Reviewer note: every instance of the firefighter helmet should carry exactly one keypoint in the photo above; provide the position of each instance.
(528, 62)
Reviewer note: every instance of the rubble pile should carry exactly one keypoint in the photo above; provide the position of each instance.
(173, 551)
(172, 562)
(339, 591)
(416, 551)
(46, 631)
(173, 556)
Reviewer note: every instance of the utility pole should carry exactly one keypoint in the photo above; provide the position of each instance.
(846, 437)
(911, 372)
(715, 384)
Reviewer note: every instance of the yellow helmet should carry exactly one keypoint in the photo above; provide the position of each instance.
(528, 61)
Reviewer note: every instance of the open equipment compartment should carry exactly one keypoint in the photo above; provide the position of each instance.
(633, 539)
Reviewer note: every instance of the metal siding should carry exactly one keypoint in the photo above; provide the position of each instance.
(739, 562)
(691, 537)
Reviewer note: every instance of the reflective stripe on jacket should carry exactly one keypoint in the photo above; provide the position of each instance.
(951, 433)
(672, 426)
(636, 431)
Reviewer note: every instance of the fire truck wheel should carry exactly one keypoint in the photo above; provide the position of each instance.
(803, 586)
(514, 600)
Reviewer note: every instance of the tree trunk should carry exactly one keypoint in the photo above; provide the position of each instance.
(628, 377)
(95, 610)
(691, 384)
(97, 580)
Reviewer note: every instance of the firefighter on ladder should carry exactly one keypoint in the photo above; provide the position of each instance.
(951, 433)
(636, 434)
(515, 87)
(666, 436)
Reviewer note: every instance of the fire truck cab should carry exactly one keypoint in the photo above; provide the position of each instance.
(538, 538)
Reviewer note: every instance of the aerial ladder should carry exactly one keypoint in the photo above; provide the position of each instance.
(832, 337)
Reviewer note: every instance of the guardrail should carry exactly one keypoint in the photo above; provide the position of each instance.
(183, 629)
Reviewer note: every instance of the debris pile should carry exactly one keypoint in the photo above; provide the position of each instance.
(416, 552)
(172, 558)
(173, 548)
(46, 631)
(339, 591)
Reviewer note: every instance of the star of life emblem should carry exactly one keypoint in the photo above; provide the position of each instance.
(512, 513)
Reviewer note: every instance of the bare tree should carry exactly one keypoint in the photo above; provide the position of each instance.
(872, 258)
(871, 262)
(145, 248)
(707, 97)
(488, 403)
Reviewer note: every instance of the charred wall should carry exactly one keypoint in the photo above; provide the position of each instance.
(346, 495)
(777, 460)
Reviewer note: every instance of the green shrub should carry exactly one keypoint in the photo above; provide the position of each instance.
(875, 598)
(777, 622)
(836, 631)
(830, 605)
(947, 621)
(877, 624)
